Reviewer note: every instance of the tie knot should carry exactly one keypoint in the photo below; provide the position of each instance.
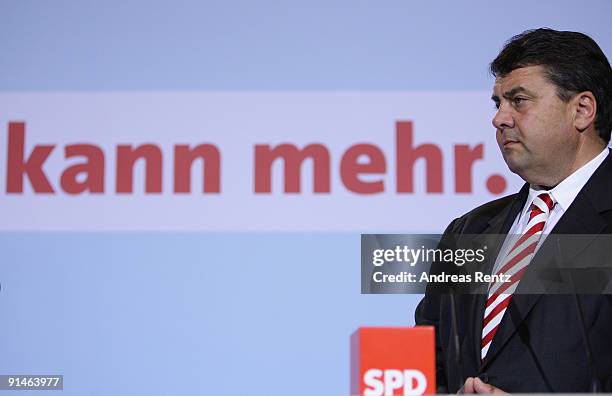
(543, 203)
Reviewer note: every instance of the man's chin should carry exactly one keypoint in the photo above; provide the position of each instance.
(515, 167)
(523, 172)
(512, 163)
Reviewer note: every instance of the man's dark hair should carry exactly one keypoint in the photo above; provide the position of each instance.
(573, 62)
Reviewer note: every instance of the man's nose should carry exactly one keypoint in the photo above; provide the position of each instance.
(503, 119)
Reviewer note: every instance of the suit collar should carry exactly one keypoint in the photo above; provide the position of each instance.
(501, 223)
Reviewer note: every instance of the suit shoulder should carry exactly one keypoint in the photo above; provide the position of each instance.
(479, 216)
(491, 208)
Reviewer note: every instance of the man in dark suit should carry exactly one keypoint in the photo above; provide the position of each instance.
(553, 92)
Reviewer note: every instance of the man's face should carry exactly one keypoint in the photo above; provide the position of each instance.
(534, 126)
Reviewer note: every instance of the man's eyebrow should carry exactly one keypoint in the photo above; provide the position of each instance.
(511, 93)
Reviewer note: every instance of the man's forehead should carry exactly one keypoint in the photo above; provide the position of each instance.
(524, 77)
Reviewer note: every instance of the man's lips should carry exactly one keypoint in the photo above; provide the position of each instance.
(509, 142)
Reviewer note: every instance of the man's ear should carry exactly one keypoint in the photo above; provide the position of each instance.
(584, 107)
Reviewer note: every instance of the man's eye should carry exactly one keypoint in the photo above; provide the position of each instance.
(518, 101)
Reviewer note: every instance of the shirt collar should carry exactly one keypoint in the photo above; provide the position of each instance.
(565, 192)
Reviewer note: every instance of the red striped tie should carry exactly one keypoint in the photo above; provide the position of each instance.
(514, 265)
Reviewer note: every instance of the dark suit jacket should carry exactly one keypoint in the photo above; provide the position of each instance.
(539, 346)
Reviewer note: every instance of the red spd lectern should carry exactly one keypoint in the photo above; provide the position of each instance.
(393, 361)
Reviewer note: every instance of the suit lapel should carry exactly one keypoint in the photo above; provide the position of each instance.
(582, 217)
(498, 225)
